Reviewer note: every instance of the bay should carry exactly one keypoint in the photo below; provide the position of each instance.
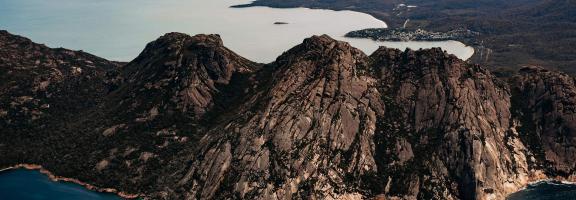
(119, 29)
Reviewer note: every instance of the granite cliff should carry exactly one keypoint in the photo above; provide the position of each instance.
(190, 119)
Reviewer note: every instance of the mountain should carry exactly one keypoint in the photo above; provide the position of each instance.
(190, 119)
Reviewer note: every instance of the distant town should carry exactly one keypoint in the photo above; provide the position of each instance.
(385, 34)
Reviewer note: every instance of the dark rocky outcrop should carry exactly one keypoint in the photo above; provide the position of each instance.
(545, 104)
(184, 72)
(190, 119)
(38, 83)
(114, 124)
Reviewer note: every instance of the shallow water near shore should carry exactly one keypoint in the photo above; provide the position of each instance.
(545, 190)
(24, 184)
(119, 30)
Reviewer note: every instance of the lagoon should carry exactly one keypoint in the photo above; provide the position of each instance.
(119, 30)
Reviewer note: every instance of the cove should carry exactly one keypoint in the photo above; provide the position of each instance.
(24, 184)
(119, 30)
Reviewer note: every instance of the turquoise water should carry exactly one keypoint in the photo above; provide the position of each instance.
(546, 190)
(22, 184)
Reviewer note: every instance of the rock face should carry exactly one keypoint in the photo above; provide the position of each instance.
(545, 103)
(182, 72)
(447, 131)
(190, 119)
(303, 134)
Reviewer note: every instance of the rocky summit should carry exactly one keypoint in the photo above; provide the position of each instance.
(190, 119)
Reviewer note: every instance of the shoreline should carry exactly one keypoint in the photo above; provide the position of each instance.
(534, 179)
(56, 178)
(540, 177)
(571, 180)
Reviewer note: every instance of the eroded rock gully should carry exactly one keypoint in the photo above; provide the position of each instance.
(190, 119)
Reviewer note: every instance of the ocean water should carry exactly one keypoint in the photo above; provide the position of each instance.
(22, 184)
(546, 190)
(119, 29)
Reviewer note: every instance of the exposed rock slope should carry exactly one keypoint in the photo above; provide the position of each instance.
(446, 133)
(308, 130)
(190, 119)
(545, 102)
(181, 71)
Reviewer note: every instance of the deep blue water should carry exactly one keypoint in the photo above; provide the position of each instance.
(22, 184)
(546, 190)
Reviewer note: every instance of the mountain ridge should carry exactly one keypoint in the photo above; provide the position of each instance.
(190, 119)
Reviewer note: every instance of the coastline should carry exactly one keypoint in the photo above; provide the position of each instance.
(56, 178)
(539, 177)
(568, 181)
(533, 179)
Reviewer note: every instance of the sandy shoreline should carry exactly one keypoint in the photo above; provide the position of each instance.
(55, 178)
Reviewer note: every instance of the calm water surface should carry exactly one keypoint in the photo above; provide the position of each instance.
(119, 29)
(546, 190)
(22, 184)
